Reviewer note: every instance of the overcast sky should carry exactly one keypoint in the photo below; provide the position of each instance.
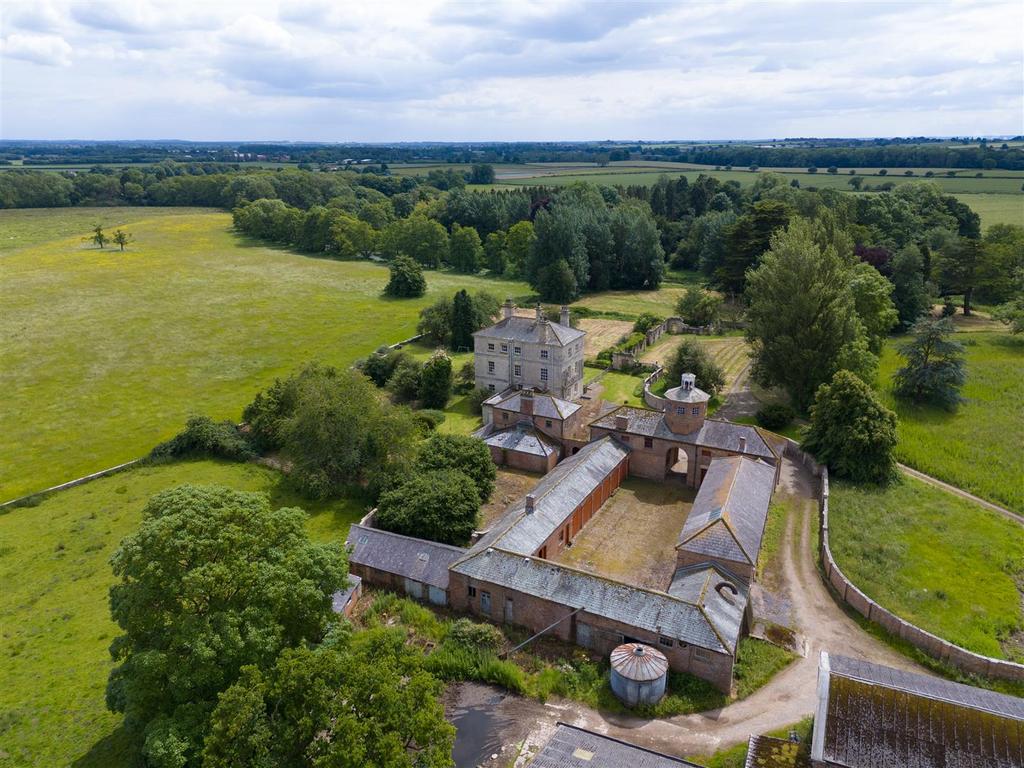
(382, 70)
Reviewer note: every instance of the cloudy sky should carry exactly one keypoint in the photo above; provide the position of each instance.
(385, 70)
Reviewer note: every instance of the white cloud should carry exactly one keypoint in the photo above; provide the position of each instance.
(49, 50)
(424, 69)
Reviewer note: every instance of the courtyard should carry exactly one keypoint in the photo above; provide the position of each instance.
(632, 537)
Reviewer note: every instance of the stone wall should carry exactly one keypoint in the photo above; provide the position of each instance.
(964, 660)
(629, 358)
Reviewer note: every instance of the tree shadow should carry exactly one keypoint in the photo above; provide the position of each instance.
(115, 749)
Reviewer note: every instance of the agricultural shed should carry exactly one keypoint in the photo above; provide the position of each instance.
(726, 523)
(869, 715)
(416, 567)
(769, 752)
(572, 747)
(344, 600)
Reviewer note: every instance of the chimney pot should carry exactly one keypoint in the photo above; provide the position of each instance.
(621, 422)
(540, 314)
(526, 402)
(743, 445)
(508, 308)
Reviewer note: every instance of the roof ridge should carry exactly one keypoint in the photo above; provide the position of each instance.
(385, 532)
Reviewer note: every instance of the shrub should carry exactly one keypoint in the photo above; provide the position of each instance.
(645, 322)
(429, 419)
(473, 635)
(775, 417)
(380, 366)
(404, 383)
(692, 357)
(436, 381)
(205, 437)
(476, 399)
(463, 454)
(698, 307)
(406, 281)
(267, 413)
(465, 378)
(440, 506)
(503, 673)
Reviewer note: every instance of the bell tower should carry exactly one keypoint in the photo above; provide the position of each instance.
(687, 406)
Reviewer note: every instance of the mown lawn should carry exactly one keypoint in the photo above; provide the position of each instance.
(942, 562)
(978, 447)
(105, 354)
(55, 625)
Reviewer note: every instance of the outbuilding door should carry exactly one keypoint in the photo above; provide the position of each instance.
(437, 596)
(582, 634)
(414, 589)
(508, 610)
(485, 602)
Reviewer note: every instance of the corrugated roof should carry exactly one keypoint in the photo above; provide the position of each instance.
(416, 559)
(729, 514)
(556, 496)
(633, 606)
(877, 716)
(522, 440)
(714, 433)
(572, 747)
(638, 661)
(529, 329)
(546, 406)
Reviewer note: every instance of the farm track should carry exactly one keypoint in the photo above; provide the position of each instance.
(962, 493)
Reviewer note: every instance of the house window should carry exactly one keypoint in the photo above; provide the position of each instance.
(648, 442)
(547, 422)
(472, 591)
(504, 347)
(701, 654)
(490, 366)
(680, 410)
(695, 411)
(666, 641)
(543, 354)
(490, 346)
(543, 374)
(518, 350)
(490, 387)
(504, 417)
(517, 370)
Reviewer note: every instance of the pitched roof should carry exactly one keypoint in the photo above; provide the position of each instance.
(518, 328)
(522, 440)
(546, 406)
(721, 595)
(729, 514)
(689, 622)
(572, 747)
(769, 752)
(340, 598)
(556, 496)
(714, 433)
(416, 559)
(870, 715)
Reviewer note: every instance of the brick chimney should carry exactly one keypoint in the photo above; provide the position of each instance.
(526, 402)
(743, 445)
(621, 422)
(540, 314)
(531, 502)
(507, 309)
(563, 316)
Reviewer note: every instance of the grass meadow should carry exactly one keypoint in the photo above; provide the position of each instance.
(54, 565)
(107, 353)
(944, 563)
(977, 447)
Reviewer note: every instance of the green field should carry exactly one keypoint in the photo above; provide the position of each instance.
(54, 565)
(977, 448)
(995, 209)
(107, 353)
(942, 562)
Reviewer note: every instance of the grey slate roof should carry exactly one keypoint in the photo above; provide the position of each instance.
(522, 440)
(556, 496)
(645, 609)
(340, 598)
(573, 747)
(416, 559)
(702, 585)
(729, 514)
(714, 433)
(545, 406)
(529, 329)
(871, 715)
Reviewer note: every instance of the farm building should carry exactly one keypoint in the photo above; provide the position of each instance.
(344, 600)
(769, 752)
(521, 447)
(869, 715)
(572, 747)
(416, 567)
(726, 523)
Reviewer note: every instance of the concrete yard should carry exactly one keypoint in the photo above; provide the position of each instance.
(652, 514)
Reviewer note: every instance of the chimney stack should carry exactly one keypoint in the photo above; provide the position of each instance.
(531, 501)
(743, 445)
(540, 314)
(621, 422)
(564, 315)
(526, 402)
(507, 309)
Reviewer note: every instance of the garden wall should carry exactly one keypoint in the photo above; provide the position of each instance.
(627, 358)
(964, 660)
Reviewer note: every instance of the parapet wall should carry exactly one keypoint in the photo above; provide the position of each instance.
(964, 660)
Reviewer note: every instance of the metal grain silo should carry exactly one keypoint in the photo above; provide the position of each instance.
(639, 673)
